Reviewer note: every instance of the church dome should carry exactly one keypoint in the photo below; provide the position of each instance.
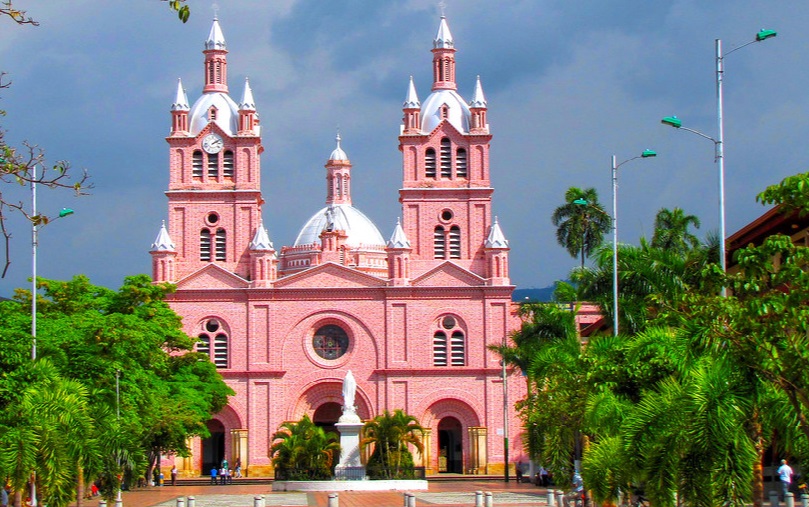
(458, 112)
(344, 217)
(227, 113)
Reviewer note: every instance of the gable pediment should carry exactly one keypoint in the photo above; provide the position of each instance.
(212, 276)
(448, 274)
(330, 275)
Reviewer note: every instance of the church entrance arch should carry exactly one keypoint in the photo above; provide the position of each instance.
(213, 447)
(450, 446)
(326, 416)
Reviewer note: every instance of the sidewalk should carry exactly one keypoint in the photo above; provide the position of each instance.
(440, 494)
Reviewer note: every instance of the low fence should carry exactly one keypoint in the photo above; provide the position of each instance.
(351, 474)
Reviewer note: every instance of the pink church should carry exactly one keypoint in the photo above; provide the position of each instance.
(410, 317)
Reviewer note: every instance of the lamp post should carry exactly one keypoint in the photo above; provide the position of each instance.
(35, 219)
(615, 166)
(505, 419)
(719, 143)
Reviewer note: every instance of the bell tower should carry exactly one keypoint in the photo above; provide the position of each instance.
(214, 171)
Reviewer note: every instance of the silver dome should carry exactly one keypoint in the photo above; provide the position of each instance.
(361, 231)
(227, 114)
(458, 111)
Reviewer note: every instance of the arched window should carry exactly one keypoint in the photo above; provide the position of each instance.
(429, 163)
(220, 245)
(213, 165)
(448, 351)
(440, 349)
(218, 351)
(227, 165)
(196, 165)
(440, 243)
(454, 242)
(460, 163)
(446, 158)
(205, 245)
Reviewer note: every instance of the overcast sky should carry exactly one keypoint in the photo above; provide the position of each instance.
(568, 83)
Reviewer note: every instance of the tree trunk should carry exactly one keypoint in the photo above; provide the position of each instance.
(758, 468)
(18, 499)
(80, 488)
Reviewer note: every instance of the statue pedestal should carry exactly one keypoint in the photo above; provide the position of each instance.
(350, 466)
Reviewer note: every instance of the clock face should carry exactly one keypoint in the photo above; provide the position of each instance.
(212, 143)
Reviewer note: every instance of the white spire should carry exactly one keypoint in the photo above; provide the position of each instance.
(398, 239)
(181, 99)
(216, 40)
(247, 103)
(338, 153)
(478, 100)
(496, 238)
(443, 38)
(261, 240)
(412, 100)
(163, 241)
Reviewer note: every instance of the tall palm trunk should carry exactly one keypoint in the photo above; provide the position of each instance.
(80, 488)
(758, 468)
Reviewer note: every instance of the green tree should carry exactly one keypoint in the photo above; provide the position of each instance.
(581, 222)
(303, 451)
(672, 230)
(391, 434)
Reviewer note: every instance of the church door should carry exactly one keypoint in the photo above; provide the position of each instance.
(450, 446)
(213, 447)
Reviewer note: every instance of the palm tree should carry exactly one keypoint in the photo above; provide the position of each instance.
(391, 435)
(581, 222)
(672, 230)
(304, 451)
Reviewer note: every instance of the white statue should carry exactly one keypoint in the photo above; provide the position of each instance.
(349, 390)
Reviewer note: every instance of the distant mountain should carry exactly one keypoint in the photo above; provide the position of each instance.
(544, 294)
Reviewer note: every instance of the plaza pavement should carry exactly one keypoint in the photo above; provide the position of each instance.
(439, 494)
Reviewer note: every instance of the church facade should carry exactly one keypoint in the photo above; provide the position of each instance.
(411, 317)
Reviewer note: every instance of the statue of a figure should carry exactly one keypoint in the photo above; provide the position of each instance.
(349, 390)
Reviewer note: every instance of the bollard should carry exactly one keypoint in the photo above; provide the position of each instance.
(773, 499)
(488, 499)
(404, 498)
(790, 499)
(119, 502)
(411, 500)
(191, 502)
(181, 502)
(258, 501)
(804, 499)
(551, 498)
(478, 498)
(334, 500)
(560, 498)
(102, 503)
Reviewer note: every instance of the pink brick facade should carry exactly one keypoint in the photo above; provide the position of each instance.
(411, 319)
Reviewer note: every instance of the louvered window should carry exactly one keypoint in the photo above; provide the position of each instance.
(227, 165)
(196, 165)
(454, 242)
(460, 163)
(204, 344)
(429, 163)
(213, 165)
(457, 353)
(205, 245)
(218, 350)
(446, 158)
(220, 245)
(440, 349)
(439, 246)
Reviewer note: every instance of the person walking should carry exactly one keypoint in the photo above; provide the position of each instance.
(785, 476)
(174, 475)
(213, 475)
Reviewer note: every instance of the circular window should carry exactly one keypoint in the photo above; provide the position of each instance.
(212, 325)
(330, 342)
(446, 215)
(448, 322)
(212, 218)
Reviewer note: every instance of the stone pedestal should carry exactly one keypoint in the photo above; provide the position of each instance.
(350, 466)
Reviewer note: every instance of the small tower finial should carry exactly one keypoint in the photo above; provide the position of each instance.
(215, 9)
(442, 6)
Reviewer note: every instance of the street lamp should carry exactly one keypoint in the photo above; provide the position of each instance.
(505, 418)
(35, 219)
(675, 122)
(615, 166)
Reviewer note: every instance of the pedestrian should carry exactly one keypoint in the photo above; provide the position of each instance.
(213, 475)
(4, 496)
(222, 476)
(238, 468)
(174, 475)
(518, 471)
(230, 476)
(543, 476)
(785, 475)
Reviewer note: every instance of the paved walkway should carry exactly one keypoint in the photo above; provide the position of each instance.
(440, 494)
